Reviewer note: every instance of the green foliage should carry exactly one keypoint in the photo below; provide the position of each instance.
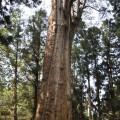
(27, 45)
(95, 58)
(6, 97)
(5, 37)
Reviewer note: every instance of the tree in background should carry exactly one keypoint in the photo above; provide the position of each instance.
(33, 53)
(78, 81)
(14, 56)
(6, 9)
(110, 66)
(93, 35)
(25, 57)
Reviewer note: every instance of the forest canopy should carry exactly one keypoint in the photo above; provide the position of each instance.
(65, 66)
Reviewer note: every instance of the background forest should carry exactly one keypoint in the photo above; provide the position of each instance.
(95, 62)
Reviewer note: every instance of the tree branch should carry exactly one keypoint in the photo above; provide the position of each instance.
(81, 9)
(92, 8)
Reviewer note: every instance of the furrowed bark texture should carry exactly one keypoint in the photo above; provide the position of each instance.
(55, 96)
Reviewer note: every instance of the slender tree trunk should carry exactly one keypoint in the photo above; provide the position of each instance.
(35, 96)
(15, 82)
(36, 50)
(89, 90)
(81, 111)
(98, 101)
(89, 99)
(98, 90)
(110, 81)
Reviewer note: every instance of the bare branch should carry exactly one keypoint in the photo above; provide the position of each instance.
(92, 8)
(81, 8)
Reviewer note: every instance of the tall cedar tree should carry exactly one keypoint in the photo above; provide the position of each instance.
(33, 58)
(55, 96)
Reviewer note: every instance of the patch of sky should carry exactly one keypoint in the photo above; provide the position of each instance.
(27, 12)
(95, 14)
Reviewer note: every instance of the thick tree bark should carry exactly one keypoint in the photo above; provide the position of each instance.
(55, 96)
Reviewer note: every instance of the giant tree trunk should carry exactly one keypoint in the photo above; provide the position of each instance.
(55, 96)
